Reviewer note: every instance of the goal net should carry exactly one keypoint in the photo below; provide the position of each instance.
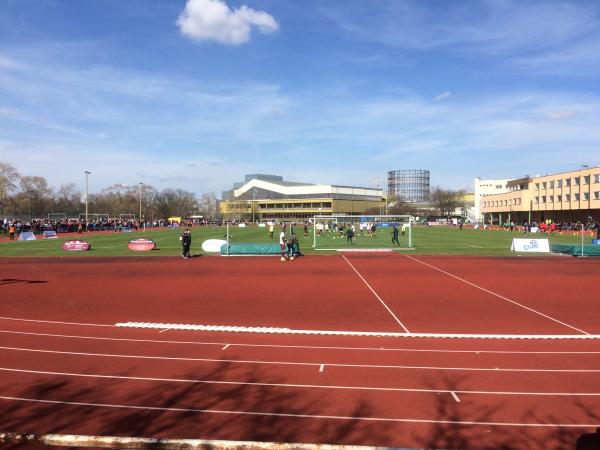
(368, 232)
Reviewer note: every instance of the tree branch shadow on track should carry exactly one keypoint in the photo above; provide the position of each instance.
(16, 280)
(38, 418)
(452, 436)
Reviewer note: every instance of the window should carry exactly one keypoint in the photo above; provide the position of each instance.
(597, 178)
(586, 179)
(537, 199)
(597, 195)
(543, 199)
(552, 184)
(567, 182)
(567, 197)
(586, 195)
(559, 183)
(576, 197)
(576, 181)
(544, 185)
(498, 186)
(537, 186)
(559, 198)
(550, 199)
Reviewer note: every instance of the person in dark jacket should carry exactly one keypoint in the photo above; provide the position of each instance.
(186, 243)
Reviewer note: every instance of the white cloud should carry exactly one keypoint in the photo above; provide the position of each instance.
(206, 20)
(442, 96)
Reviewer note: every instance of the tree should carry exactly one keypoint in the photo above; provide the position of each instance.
(8, 179)
(34, 197)
(68, 200)
(446, 201)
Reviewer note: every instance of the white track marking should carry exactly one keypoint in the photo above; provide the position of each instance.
(322, 368)
(275, 330)
(306, 386)
(56, 322)
(454, 396)
(226, 347)
(162, 331)
(376, 295)
(300, 416)
(308, 347)
(295, 363)
(497, 295)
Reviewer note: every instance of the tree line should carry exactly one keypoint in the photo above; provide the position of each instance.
(31, 197)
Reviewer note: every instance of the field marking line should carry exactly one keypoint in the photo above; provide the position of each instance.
(162, 331)
(454, 396)
(308, 347)
(226, 347)
(57, 322)
(299, 416)
(304, 386)
(497, 295)
(322, 368)
(473, 245)
(375, 294)
(295, 363)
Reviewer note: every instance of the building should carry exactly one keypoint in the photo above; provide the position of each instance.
(409, 185)
(486, 187)
(561, 197)
(265, 197)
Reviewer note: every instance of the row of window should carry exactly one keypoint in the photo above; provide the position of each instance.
(567, 197)
(312, 205)
(566, 182)
(544, 199)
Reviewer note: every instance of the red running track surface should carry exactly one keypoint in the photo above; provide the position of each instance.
(66, 368)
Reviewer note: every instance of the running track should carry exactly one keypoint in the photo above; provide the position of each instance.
(66, 368)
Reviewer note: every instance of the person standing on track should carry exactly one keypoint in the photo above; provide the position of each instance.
(186, 243)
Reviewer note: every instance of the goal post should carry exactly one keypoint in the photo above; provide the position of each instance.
(368, 231)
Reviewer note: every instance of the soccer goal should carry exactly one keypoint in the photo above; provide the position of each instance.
(368, 232)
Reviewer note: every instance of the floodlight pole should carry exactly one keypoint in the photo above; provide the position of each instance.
(86, 197)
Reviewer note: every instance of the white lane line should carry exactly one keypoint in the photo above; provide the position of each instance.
(162, 331)
(376, 295)
(497, 295)
(300, 416)
(226, 347)
(57, 322)
(454, 396)
(306, 347)
(294, 363)
(322, 368)
(305, 386)
(290, 331)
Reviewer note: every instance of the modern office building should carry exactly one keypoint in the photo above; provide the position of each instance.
(409, 185)
(561, 197)
(265, 197)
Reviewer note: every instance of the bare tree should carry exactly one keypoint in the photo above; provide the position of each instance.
(68, 200)
(446, 201)
(34, 197)
(8, 179)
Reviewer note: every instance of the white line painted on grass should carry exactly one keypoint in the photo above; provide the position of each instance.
(294, 363)
(376, 295)
(307, 347)
(496, 294)
(454, 396)
(299, 416)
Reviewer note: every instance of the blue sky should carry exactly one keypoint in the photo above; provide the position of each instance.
(194, 94)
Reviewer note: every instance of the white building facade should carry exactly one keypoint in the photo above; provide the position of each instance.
(487, 187)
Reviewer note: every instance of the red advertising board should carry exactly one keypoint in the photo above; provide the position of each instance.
(76, 246)
(141, 245)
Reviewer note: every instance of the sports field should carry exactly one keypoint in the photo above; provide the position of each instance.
(450, 345)
(427, 241)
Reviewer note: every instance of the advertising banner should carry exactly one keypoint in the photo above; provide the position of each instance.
(141, 245)
(76, 246)
(530, 245)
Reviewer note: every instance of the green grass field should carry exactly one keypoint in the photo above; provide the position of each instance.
(427, 241)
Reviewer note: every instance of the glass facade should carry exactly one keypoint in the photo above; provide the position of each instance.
(409, 185)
